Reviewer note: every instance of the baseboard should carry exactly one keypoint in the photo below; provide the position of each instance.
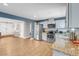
(3, 36)
(41, 40)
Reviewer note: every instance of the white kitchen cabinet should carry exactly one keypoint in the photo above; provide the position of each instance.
(44, 36)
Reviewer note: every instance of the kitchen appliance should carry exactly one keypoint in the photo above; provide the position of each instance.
(51, 32)
(51, 26)
(51, 36)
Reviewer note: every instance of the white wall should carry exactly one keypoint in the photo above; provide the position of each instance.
(74, 15)
(67, 21)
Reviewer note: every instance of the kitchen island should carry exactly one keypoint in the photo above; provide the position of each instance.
(69, 48)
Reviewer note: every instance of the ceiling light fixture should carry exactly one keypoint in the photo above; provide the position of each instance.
(5, 4)
(34, 16)
(73, 29)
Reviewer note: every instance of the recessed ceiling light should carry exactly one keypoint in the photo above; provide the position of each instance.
(73, 29)
(34, 16)
(5, 4)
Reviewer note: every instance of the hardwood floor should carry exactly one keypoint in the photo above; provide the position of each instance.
(12, 46)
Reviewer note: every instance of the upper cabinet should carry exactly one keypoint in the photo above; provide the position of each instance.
(73, 15)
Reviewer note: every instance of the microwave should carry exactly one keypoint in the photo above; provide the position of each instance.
(51, 25)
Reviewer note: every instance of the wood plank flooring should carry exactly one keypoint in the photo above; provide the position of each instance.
(12, 46)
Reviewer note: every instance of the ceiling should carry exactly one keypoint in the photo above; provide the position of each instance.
(35, 11)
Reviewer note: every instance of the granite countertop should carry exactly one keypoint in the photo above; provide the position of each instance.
(66, 46)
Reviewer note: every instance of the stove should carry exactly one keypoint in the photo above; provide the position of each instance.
(51, 36)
